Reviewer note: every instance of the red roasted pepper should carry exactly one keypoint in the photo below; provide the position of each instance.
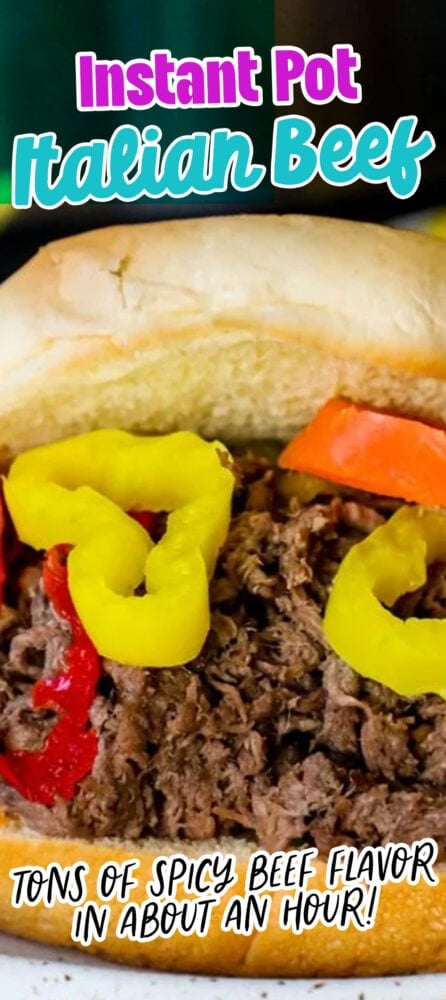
(72, 690)
(70, 749)
(56, 769)
(146, 518)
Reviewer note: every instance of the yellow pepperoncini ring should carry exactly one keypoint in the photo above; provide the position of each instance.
(407, 656)
(77, 491)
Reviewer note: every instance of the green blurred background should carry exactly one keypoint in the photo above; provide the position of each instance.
(38, 42)
(402, 45)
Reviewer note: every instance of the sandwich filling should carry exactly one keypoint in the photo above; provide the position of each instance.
(267, 733)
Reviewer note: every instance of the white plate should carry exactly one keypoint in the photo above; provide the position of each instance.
(31, 972)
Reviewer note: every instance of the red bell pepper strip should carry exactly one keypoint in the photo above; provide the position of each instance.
(373, 451)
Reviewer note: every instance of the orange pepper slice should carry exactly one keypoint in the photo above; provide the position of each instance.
(374, 451)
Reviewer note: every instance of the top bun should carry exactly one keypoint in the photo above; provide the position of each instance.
(239, 326)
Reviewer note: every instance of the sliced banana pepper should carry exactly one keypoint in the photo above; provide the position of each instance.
(77, 491)
(407, 656)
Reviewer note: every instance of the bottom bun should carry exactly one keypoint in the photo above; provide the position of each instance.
(409, 934)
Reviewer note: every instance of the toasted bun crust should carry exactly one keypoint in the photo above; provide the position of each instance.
(409, 934)
(190, 323)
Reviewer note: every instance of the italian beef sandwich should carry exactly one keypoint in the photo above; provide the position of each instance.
(223, 571)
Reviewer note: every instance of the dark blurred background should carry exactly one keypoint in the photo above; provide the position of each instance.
(402, 44)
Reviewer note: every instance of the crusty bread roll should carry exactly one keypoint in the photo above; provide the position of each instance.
(236, 327)
(409, 934)
(242, 325)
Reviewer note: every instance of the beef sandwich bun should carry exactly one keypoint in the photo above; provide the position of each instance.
(224, 570)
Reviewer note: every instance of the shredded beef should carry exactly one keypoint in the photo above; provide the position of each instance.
(267, 732)
(34, 652)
